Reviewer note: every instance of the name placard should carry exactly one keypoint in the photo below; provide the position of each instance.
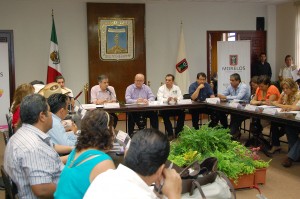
(250, 107)
(89, 106)
(184, 101)
(214, 100)
(270, 111)
(235, 105)
(111, 105)
(155, 103)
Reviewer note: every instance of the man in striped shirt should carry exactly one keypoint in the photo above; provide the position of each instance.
(30, 159)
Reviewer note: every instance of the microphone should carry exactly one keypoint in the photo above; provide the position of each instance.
(75, 98)
(108, 91)
(112, 94)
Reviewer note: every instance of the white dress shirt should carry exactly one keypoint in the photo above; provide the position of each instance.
(164, 93)
(119, 183)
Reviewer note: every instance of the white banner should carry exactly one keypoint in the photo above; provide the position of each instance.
(233, 57)
(4, 84)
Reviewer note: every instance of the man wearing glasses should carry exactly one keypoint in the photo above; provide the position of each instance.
(139, 93)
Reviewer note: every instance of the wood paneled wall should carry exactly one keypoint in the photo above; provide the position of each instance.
(120, 73)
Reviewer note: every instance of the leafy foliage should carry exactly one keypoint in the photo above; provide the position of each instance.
(234, 159)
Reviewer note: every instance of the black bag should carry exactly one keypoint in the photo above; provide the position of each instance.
(196, 175)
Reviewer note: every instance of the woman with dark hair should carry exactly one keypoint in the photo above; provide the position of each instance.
(265, 92)
(288, 99)
(253, 85)
(22, 91)
(89, 157)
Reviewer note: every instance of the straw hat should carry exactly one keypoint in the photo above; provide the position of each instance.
(52, 88)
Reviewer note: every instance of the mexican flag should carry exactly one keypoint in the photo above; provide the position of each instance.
(182, 76)
(54, 61)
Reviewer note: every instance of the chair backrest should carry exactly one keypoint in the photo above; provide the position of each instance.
(10, 126)
(10, 187)
(186, 96)
(5, 137)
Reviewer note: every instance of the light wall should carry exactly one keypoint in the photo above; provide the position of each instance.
(31, 22)
(286, 14)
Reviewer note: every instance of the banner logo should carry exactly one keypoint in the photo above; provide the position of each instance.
(233, 60)
(182, 66)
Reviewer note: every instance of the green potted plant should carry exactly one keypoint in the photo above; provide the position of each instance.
(234, 159)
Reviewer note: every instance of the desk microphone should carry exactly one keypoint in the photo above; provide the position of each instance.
(112, 94)
(108, 91)
(75, 98)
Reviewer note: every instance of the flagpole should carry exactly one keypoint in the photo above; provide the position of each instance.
(54, 68)
(181, 71)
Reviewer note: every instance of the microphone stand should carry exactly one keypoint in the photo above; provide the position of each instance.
(112, 94)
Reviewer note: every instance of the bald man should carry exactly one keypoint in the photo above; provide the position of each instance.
(139, 93)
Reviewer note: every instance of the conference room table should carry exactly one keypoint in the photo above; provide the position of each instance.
(127, 108)
(282, 118)
(257, 138)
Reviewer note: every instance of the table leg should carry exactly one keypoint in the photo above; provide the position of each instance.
(214, 119)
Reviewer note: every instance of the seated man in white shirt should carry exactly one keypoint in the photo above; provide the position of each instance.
(61, 81)
(287, 70)
(144, 164)
(167, 93)
(103, 93)
(59, 107)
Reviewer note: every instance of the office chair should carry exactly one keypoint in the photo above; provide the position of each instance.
(187, 96)
(10, 187)
(10, 126)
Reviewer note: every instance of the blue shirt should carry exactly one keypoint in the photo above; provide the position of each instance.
(204, 93)
(75, 177)
(133, 93)
(59, 135)
(242, 92)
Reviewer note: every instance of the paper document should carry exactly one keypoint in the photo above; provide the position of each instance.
(291, 112)
(266, 106)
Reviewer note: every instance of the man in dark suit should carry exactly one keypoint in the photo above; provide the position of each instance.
(261, 67)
